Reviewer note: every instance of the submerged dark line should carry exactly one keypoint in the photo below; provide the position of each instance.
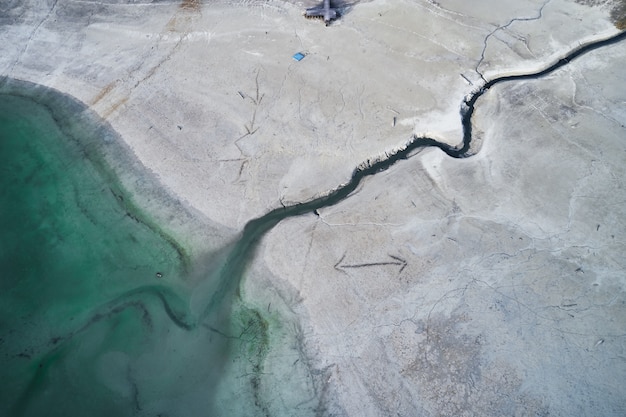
(92, 151)
(58, 344)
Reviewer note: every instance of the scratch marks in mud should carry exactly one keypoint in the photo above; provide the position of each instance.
(31, 37)
(251, 127)
(393, 260)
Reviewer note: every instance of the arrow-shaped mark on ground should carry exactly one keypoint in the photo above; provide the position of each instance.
(395, 260)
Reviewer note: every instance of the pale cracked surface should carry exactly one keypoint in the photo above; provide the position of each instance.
(492, 285)
(487, 286)
(209, 97)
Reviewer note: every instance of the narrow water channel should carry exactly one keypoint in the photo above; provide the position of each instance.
(85, 328)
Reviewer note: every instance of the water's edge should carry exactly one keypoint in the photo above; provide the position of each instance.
(256, 228)
(137, 189)
(219, 298)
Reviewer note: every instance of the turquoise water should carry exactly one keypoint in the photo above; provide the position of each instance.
(102, 312)
(70, 246)
(67, 242)
(93, 314)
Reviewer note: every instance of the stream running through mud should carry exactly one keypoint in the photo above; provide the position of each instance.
(92, 319)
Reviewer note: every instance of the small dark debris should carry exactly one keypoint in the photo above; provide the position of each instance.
(580, 270)
(159, 275)
(597, 228)
(116, 195)
(179, 127)
(132, 217)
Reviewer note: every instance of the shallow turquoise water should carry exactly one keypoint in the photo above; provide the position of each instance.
(78, 267)
(67, 242)
(102, 313)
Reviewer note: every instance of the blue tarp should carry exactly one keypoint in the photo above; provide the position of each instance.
(298, 56)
